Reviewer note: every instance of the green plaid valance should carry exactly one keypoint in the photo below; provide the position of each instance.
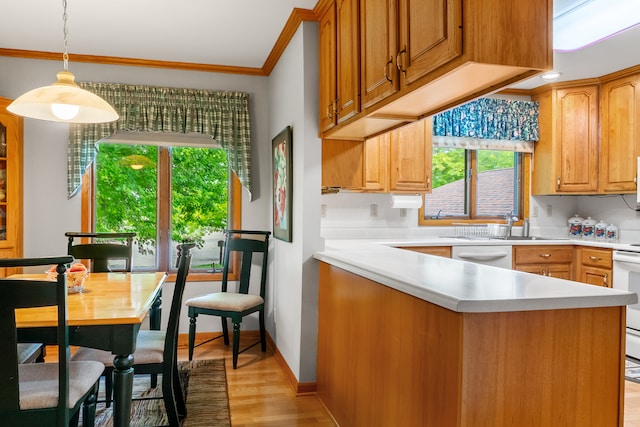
(222, 115)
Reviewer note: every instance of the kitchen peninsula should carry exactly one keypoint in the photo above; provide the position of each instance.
(411, 339)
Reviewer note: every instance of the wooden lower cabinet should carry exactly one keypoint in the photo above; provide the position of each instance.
(594, 266)
(444, 251)
(386, 358)
(546, 260)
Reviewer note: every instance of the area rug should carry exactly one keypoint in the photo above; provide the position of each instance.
(205, 382)
(632, 370)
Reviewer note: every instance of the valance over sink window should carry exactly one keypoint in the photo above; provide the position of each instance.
(222, 115)
(489, 124)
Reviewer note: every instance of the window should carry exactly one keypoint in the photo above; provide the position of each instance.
(165, 195)
(474, 184)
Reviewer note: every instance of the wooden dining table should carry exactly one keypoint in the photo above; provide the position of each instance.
(107, 314)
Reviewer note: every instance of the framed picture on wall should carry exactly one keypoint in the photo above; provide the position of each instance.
(281, 151)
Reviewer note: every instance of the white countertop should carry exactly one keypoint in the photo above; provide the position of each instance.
(463, 286)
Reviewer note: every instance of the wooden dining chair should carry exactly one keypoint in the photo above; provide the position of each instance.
(42, 394)
(235, 305)
(156, 351)
(103, 251)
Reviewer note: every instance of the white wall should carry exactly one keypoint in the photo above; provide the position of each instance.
(48, 214)
(287, 97)
(293, 100)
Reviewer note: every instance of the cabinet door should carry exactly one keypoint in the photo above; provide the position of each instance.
(11, 185)
(595, 276)
(560, 271)
(620, 134)
(376, 163)
(342, 163)
(327, 58)
(430, 36)
(577, 139)
(378, 35)
(410, 165)
(348, 59)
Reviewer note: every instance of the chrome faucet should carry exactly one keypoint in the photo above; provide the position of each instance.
(510, 218)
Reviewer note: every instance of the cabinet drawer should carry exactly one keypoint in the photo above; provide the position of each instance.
(596, 257)
(542, 254)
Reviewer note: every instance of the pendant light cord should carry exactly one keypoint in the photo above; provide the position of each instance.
(65, 55)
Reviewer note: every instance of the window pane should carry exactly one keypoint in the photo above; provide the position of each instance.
(200, 194)
(496, 190)
(126, 194)
(449, 193)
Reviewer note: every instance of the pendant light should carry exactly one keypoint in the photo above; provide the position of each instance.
(64, 100)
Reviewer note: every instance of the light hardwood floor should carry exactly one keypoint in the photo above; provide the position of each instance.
(260, 395)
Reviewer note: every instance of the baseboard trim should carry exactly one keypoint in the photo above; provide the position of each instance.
(300, 389)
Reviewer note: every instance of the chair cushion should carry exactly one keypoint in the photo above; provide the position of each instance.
(39, 383)
(149, 350)
(227, 301)
(27, 350)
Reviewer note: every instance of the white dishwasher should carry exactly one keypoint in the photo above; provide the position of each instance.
(498, 256)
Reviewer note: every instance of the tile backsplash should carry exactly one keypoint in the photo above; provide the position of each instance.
(367, 215)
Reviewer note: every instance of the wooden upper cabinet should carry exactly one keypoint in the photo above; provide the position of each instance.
(378, 35)
(566, 157)
(376, 163)
(342, 164)
(399, 161)
(430, 36)
(410, 162)
(327, 57)
(339, 85)
(620, 134)
(348, 63)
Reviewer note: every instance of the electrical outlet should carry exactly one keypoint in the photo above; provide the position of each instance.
(323, 211)
(534, 212)
(373, 210)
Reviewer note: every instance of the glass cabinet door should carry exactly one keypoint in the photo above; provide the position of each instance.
(3, 182)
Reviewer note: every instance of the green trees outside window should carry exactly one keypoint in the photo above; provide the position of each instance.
(180, 191)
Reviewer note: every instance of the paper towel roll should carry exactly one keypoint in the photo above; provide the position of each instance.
(411, 201)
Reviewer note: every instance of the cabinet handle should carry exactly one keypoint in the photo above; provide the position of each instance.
(386, 69)
(545, 255)
(558, 183)
(330, 111)
(594, 258)
(606, 279)
(399, 63)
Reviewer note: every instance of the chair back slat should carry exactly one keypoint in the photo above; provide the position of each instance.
(100, 253)
(245, 248)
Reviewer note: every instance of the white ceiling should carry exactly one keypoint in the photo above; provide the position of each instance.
(238, 33)
(219, 32)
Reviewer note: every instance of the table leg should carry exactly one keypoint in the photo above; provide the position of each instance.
(122, 390)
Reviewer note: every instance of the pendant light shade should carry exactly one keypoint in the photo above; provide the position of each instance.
(64, 100)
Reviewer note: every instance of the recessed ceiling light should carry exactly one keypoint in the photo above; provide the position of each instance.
(593, 20)
(550, 76)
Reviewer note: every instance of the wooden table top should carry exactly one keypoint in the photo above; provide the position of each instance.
(106, 299)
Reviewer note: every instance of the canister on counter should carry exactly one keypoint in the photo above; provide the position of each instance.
(612, 232)
(601, 230)
(575, 226)
(588, 228)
